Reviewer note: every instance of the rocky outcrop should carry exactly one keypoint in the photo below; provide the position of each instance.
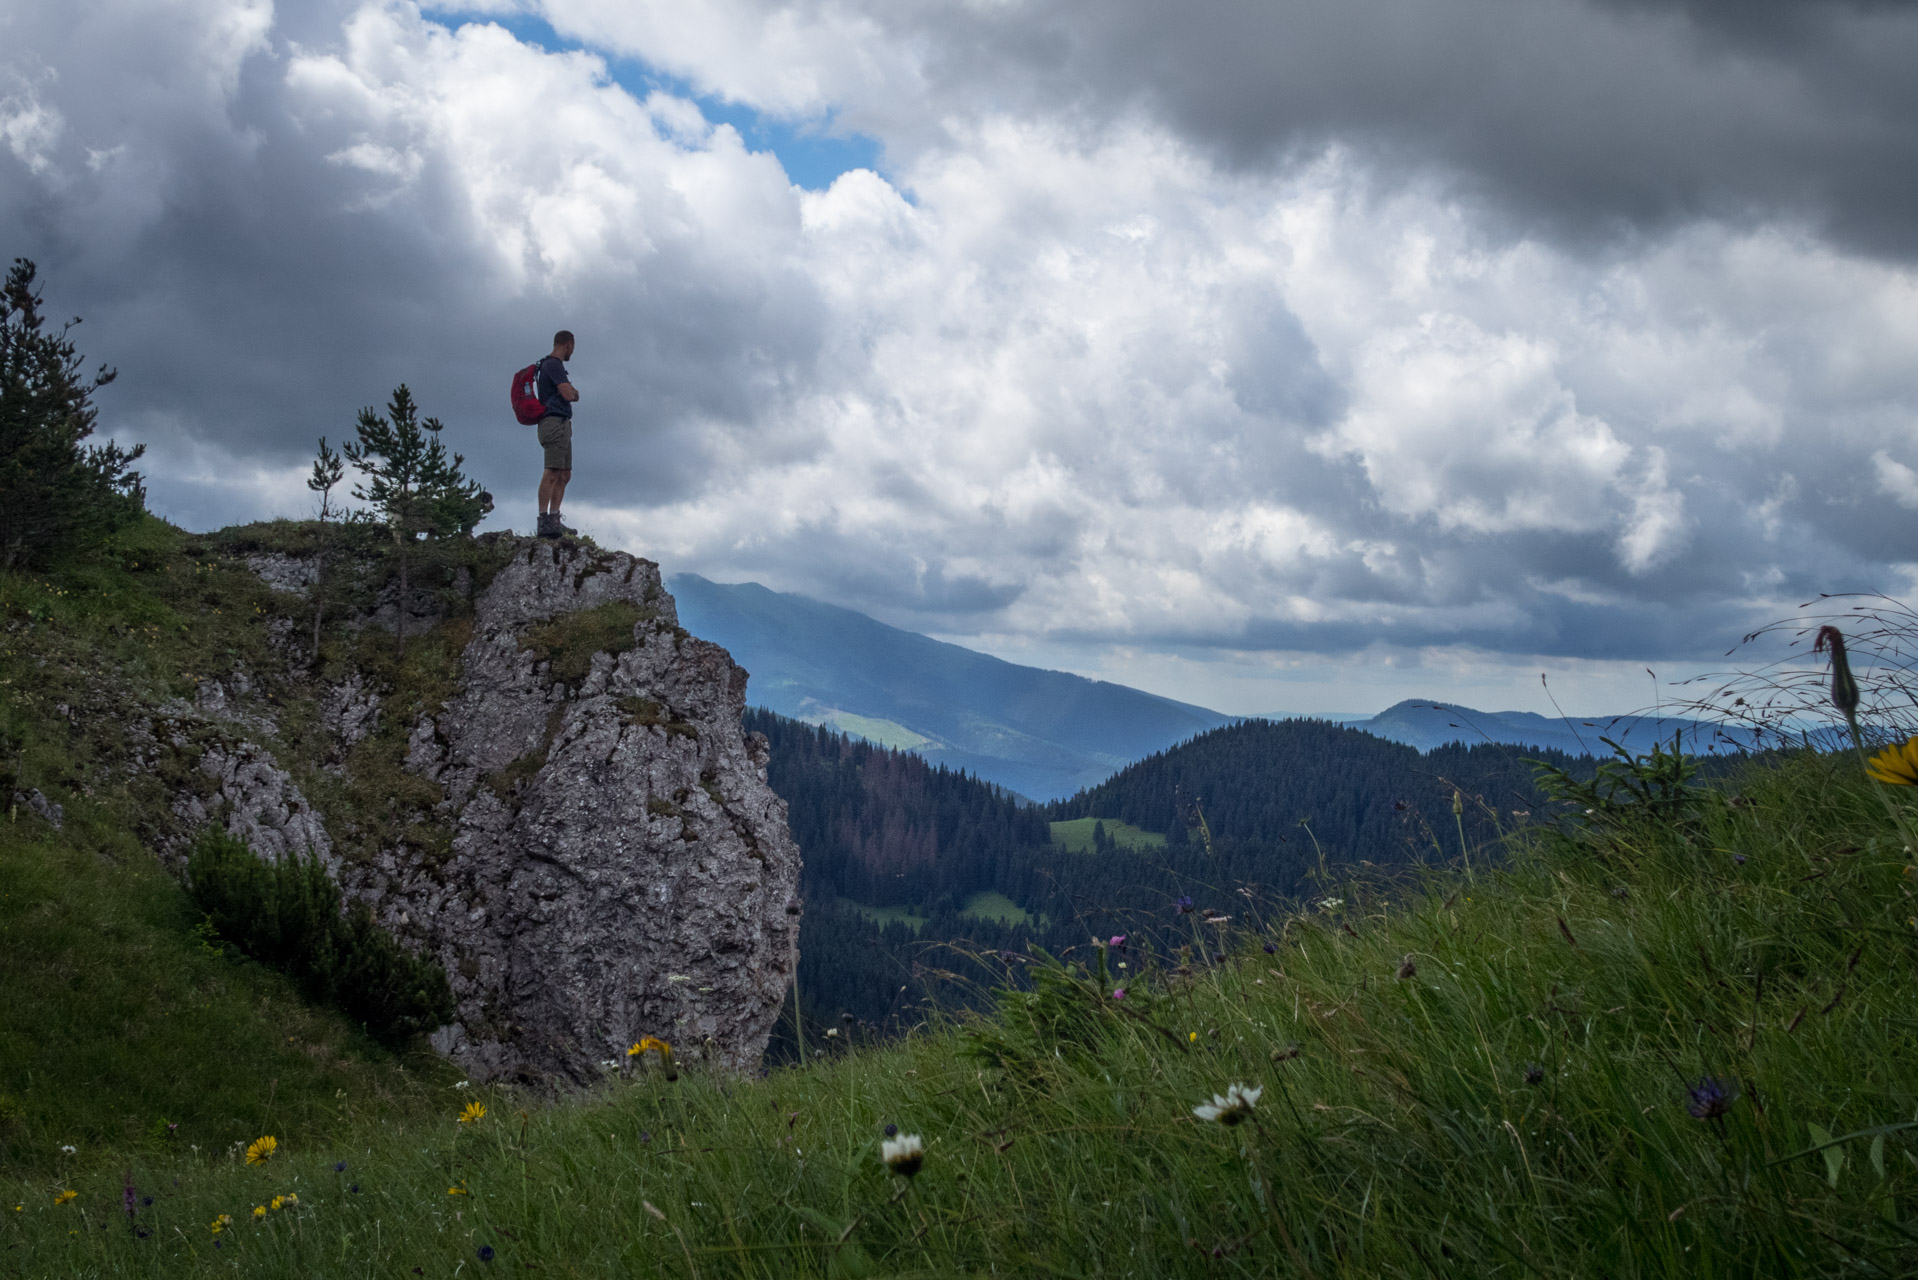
(611, 862)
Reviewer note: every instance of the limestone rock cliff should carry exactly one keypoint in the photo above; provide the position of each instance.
(602, 858)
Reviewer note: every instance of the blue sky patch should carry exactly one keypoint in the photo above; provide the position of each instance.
(811, 155)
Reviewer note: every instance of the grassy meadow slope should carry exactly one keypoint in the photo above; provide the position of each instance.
(119, 1016)
(1672, 1043)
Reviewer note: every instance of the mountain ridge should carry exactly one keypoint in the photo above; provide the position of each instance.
(1041, 734)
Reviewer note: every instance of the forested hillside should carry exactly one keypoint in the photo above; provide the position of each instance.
(1266, 782)
(913, 869)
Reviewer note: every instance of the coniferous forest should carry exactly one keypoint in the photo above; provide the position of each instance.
(923, 883)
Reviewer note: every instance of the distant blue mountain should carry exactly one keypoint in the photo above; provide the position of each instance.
(1042, 734)
(1426, 725)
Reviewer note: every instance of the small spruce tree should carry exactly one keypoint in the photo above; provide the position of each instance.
(411, 481)
(56, 493)
(328, 470)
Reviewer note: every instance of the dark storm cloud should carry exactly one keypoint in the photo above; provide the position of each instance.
(1582, 118)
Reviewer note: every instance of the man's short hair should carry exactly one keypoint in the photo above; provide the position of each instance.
(563, 337)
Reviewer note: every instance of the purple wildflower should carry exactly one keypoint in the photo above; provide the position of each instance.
(1711, 1097)
(1534, 1074)
(1118, 993)
(1271, 949)
(339, 1167)
(128, 1198)
(892, 1131)
(1118, 940)
(1184, 905)
(486, 1253)
(1218, 957)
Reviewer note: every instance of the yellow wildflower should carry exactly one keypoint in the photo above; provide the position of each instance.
(221, 1223)
(65, 1196)
(1192, 1037)
(474, 1111)
(261, 1150)
(460, 1190)
(277, 1201)
(1896, 766)
(648, 1043)
(259, 1211)
(290, 1198)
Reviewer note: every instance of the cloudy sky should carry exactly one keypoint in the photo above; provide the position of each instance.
(1279, 355)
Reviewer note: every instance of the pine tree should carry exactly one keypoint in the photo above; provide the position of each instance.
(56, 493)
(328, 470)
(410, 481)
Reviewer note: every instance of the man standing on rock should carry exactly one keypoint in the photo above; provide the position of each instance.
(556, 433)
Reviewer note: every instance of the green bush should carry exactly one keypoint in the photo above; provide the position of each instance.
(288, 915)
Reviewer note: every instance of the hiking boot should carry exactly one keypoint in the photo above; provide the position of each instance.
(562, 530)
(549, 526)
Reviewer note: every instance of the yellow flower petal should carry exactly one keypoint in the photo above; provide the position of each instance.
(1896, 766)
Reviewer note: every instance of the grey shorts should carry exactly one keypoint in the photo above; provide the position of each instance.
(556, 437)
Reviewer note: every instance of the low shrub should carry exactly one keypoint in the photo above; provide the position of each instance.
(288, 915)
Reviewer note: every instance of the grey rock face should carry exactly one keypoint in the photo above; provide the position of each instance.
(620, 867)
(617, 865)
(260, 803)
(54, 815)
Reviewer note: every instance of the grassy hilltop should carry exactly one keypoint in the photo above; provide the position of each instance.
(1668, 1040)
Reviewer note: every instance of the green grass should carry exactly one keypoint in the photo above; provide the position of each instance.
(996, 906)
(1398, 1132)
(1075, 835)
(890, 915)
(120, 1019)
(885, 733)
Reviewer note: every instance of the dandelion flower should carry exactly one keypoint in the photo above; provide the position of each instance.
(261, 1150)
(1896, 766)
(474, 1111)
(1192, 1037)
(903, 1154)
(649, 1043)
(65, 1196)
(1235, 1106)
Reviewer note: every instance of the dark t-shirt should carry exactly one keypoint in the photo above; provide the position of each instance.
(552, 372)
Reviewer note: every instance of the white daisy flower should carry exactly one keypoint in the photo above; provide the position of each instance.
(903, 1154)
(1235, 1106)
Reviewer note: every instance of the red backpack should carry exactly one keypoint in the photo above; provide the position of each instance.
(527, 406)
